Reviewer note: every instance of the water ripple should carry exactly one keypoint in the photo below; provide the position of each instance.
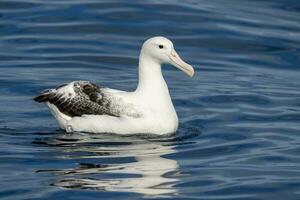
(239, 131)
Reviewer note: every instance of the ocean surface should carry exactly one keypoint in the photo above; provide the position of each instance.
(239, 135)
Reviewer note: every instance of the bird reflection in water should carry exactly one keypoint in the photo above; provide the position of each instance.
(132, 165)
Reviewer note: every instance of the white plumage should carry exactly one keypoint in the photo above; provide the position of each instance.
(84, 106)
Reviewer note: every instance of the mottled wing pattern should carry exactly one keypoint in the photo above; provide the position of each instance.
(79, 98)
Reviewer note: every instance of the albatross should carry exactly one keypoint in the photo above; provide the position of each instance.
(82, 106)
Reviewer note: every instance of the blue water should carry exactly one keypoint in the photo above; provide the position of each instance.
(239, 135)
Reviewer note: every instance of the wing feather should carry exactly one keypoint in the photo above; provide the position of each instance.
(79, 98)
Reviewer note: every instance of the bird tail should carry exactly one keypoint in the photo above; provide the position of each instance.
(43, 97)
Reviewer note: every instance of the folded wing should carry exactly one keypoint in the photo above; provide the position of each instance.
(80, 98)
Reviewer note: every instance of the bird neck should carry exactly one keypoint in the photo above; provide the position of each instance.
(153, 91)
(151, 80)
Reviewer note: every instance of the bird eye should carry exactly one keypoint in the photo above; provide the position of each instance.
(161, 46)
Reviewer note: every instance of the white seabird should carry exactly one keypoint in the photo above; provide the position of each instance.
(85, 107)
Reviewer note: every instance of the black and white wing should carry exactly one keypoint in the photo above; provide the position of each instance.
(81, 98)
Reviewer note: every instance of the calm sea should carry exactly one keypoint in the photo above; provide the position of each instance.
(239, 135)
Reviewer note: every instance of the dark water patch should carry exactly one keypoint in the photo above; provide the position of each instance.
(236, 98)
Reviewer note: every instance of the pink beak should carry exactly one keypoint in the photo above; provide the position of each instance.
(180, 64)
